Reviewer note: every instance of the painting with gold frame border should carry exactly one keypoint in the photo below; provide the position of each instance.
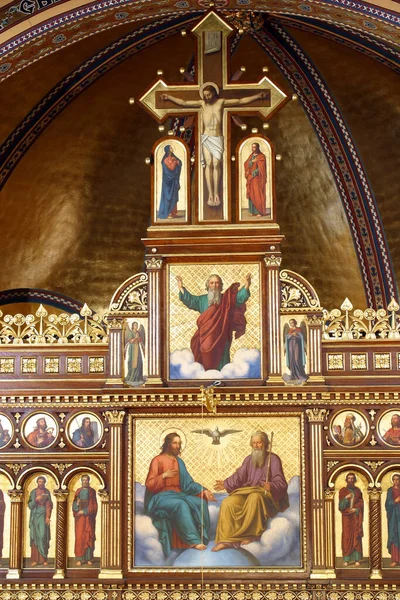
(191, 314)
(255, 179)
(282, 545)
(171, 182)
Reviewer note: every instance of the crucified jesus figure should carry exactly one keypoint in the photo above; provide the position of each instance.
(212, 140)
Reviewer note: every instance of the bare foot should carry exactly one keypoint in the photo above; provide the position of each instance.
(393, 564)
(217, 201)
(345, 564)
(210, 201)
(245, 542)
(357, 564)
(220, 546)
(200, 547)
(78, 563)
(89, 562)
(33, 564)
(258, 216)
(45, 564)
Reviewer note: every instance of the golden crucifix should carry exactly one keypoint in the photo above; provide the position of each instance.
(212, 98)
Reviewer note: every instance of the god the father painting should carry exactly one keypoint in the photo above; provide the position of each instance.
(214, 321)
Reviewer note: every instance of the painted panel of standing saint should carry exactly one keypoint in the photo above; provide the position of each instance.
(5, 508)
(135, 351)
(294, 349)
(84, 526)
(214, 321)
(171, 184)
(255, 180)
(217, 492)
(40, 521)
(390, 514)
(351, 520)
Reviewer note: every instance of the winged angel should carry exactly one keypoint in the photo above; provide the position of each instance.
(135, 353)
(216, 434)
(295, 342)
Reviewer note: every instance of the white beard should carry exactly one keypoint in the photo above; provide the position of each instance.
(214, 297)
(258, 457)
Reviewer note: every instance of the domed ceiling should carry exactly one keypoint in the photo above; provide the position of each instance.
(75, 189)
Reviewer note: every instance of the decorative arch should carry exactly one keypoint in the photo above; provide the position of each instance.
(40, 469)
(84, 470)
(356, 468)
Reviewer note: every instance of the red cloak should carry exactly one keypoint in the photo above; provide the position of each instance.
(85, 525)
(215, 328)
(352, 522)
(256, 184)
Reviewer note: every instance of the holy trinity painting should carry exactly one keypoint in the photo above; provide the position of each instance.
(214, 321)
(217, 492)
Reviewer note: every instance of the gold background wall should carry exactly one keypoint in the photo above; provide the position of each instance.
(74, 209)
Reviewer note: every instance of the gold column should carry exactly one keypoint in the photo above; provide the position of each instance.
(16, 541)
(316, 417)
(375, 541)
(115, 352)
(113, 568)
(273, 262)
(330, 532)
(61, 538)
(105, 518)
(314, 354)
(154, 266)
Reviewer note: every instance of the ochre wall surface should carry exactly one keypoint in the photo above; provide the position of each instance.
(78, 203)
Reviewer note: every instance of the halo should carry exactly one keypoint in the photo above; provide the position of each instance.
(398, 475)
(208, 83)
(172, 430)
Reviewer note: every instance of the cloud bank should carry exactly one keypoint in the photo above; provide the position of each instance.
(246, 364)
(279, 544)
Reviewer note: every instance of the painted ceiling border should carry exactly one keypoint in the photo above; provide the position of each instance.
(346, 165)
(378, 51)
(76, 82)
(383, 24)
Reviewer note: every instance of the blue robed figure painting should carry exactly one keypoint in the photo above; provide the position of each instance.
(171, 172)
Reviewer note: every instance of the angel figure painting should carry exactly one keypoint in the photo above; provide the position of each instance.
(295, 340)
(135, 353)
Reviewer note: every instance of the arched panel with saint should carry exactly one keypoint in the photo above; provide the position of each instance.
(170, 182)
(295, 348)
(40, 521)
(255, 179)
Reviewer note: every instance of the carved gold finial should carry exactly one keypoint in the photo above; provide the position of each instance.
(207, 397)
(278, 157)
(347, 305)
(131, 100)
(265, 125)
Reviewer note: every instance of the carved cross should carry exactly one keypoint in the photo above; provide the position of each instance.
(212, 99)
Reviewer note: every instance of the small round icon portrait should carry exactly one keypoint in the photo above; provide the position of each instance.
(40, 430)
(85, 430)
(389, 428)
(349, 428)
(6, 431)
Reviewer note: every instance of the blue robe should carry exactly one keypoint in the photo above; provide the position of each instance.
(393, 517)
(183, 511)
(170, 186)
